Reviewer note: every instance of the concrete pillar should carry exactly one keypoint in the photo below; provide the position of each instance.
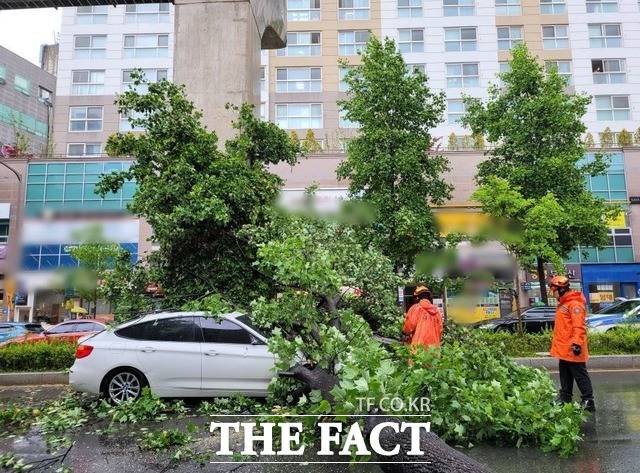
(217, 53)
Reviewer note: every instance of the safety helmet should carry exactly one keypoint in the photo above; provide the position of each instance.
(559, 282)
(421, 290)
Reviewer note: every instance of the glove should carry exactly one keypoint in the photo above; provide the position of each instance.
(576, 349)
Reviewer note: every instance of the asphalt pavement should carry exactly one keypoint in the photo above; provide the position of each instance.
(611, 445)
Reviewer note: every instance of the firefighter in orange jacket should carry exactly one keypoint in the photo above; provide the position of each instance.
(423, 322)
(569, 342)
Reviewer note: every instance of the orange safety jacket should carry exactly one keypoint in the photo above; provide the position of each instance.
(423, 324)
(570, 327)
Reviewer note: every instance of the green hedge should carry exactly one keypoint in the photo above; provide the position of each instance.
(41, 356)
(622, 341)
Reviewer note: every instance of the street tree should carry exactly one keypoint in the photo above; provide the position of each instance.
(536, 128)
(195, 195)
(389, 164)
(96, 255)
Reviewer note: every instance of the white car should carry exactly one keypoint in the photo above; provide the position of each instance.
(176, 354)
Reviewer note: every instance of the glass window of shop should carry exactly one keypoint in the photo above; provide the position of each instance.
(70, 186)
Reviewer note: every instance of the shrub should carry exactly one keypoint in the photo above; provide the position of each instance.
(636, 137)
(452, 142)
(606, 138)
(478, 142)
(625, 138)
(589, 142)
(620, 341)
(40, 356)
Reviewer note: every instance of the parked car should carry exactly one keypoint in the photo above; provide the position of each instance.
(70, 330)
(175, 354)
(9, 330)
(534, 319)
(622, 314)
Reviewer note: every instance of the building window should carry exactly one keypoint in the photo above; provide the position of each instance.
(605, 35)
(618, 250)
(460, 39)
(263, 111)
(4, 231)
(612, 185)
(555, 36)
(93, 15)
(343, 86)
(411, 40)
(455, 111)
(351, 43)
(563, 68)
(508, 37)
(303, 10)
(151, 75)
(463, 75)
(263, 81)
(602, 6)
(84, 149)
(22, 84)
(410, 8)
(71, 186)
(553, 7)
(302, 43)
(24, 121)
(458, 7)
(299, 115)
(125, 122)
(609, 71)
(612, 107)
(90, 46)
(146, 45)
(508, 7)
(504, 67)
(87, 82)
(85, 119)
(50, 257)
(353, 9)
(299, 79)
(147, 13)
(344, 123)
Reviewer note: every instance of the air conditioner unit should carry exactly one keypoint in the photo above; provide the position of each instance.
(2, 81)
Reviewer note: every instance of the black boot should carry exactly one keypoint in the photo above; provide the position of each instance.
(589, 405)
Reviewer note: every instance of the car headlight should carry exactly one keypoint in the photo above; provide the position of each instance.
(595, 324)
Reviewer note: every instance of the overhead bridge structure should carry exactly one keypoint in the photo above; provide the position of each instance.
(217, 48)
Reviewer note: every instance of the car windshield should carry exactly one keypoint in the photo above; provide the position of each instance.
(624, 307)
(245, 319)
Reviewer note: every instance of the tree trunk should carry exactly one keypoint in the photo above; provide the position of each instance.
(441, 457)
(438, 456)
(542, 280)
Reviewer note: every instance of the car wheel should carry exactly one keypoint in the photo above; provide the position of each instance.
(124, 385)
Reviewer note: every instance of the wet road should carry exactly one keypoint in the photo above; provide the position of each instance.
(611, 445)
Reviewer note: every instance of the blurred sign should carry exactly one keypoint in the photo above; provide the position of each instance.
(20, 298)
(634, 199)
(459, 221)
(599, 297)
(619, 221)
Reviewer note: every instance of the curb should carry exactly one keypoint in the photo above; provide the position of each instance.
(597, 362)
(30, 378)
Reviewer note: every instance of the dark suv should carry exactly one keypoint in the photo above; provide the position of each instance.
(534, 319)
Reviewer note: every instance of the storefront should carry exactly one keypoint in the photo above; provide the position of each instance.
(603, 283)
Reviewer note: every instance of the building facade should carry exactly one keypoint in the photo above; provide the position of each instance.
(26, 101)
(460, 44)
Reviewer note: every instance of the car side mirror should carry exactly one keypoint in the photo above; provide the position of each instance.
(255, 341)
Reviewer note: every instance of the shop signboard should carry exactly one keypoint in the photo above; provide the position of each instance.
(634, 199)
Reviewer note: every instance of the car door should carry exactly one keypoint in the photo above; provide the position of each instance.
(168, 354)
(233, 360)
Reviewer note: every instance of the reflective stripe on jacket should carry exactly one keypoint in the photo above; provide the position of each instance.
(423, 324)
(570, 327)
